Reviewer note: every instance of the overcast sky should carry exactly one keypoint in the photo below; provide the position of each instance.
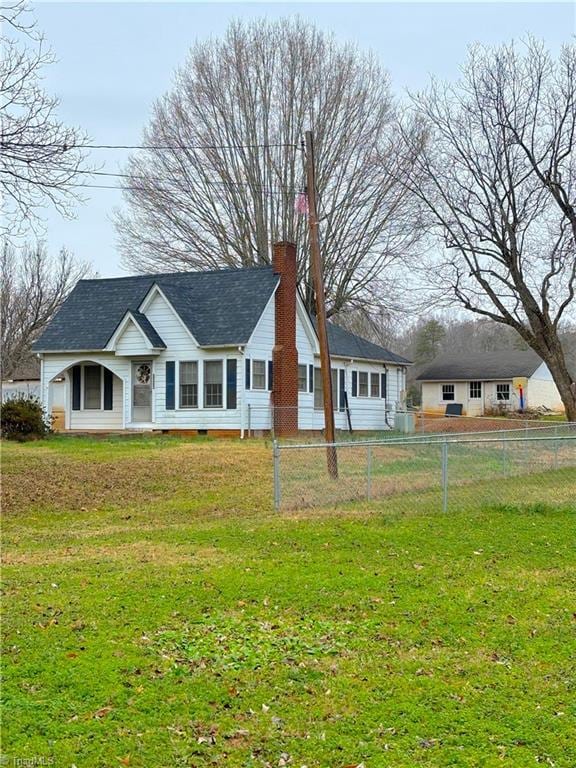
(115, 59)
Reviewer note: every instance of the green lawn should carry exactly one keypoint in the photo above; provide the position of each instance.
(158, 613)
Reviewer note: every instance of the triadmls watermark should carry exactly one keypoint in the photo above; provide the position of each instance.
(36, 761)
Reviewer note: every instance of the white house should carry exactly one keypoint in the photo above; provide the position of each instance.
(510, 379)
(208, 352)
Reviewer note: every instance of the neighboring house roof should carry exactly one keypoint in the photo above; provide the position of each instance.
(27, 370)
(482, 366)
(219, 308)
(343, 343)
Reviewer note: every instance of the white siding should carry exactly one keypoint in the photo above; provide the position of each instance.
(180, 346)
(86, 420)
(59, 364)
(253, 406)
(132, 342)
(542, 390)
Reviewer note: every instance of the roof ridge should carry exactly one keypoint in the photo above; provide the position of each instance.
(152, 275)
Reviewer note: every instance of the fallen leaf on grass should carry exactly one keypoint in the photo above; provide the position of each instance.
(99, 714)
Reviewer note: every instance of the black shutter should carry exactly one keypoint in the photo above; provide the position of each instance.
(76, 376)
(270, 375)
(383, 385)
(247, 373)
(354, 383)
(170, 385)
(342, 387)
(310, 378)
(231, 384)
(108, 387)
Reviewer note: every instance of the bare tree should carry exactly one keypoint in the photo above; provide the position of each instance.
(497, 180)
(33, 287)
(223, 162)
(40, 157)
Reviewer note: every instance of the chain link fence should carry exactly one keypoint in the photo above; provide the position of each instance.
(382, 420)
(441, 472)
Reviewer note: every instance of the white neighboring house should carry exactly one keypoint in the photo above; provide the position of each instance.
(209, 352)
(25, 380)
(486, 380)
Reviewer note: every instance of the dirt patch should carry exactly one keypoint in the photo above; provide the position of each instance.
(209, 472)
(468, 424)
(132, 552)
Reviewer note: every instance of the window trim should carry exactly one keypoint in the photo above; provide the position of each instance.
(265, 386)
(305, 367)
(222, 383)
(367, 374)
(83, 367)
(443, 393)
(508, 390)
(188, 407)
(372, 374)
(479, 387)
(335, 381)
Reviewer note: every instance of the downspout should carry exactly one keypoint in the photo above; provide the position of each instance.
(386, 400)
(240, 375)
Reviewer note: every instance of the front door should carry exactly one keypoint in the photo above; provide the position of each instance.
(142, 392)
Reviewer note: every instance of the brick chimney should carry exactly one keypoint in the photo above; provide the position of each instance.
(284, 353)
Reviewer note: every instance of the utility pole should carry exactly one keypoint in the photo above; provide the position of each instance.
(318, 280)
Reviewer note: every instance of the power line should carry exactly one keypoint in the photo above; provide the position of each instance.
(65, 147)
(133, 187)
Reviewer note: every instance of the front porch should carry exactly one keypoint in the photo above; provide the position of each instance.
(96, 395)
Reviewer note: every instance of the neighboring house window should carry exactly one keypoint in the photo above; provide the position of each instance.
(374, 385)
(189, 385)
(92, 387)
(362, 383)
(502, 391)
(213, 388)
(302, 379)
(447, 391)
(319, 391)
(475, 390)
(258, 374)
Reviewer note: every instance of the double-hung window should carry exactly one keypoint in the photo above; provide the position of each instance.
(362, 383)
(503, 392)
(92, 387)
(319, 390)
(258, 374)
(475, 390)
(302, 378)
(213, 385)
(189, 384)
(374, 385)
(447, 392)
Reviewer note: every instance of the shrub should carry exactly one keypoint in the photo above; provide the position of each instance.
(24, 418)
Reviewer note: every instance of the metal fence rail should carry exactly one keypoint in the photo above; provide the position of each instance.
(439, 472)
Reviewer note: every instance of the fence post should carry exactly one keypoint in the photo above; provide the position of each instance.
(369, 472)
(504, 458)
(277, 489)
(555, 465)
(445, 476)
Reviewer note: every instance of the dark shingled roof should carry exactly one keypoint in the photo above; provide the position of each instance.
(148, 330)
(482, 366)
(218, 308)
(343, 343)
